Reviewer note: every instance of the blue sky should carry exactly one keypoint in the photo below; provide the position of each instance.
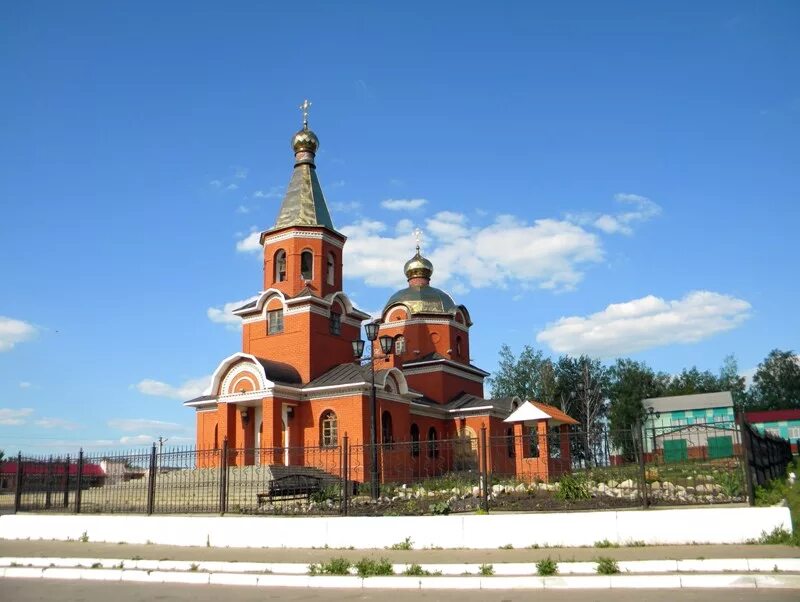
(619, 179)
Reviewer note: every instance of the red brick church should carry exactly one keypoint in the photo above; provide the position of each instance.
(296, 385)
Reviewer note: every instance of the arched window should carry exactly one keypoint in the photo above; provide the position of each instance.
(331, 278)
(510, 442)
(386, 429)
(307, 265)
(399, 344)
(433, 445)
(280, 266)
(414, 440)
(458, 346)
(329, 436)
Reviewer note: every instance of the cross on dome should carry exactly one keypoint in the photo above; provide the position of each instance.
(418, 237)
(304, 107)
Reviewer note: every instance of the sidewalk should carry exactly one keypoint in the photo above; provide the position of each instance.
(76, 549)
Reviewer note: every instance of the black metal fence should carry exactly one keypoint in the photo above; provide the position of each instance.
(529, 470)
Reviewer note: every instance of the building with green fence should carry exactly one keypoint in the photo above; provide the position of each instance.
(690, 427)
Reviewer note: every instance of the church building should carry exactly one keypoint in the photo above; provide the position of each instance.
(296, 385)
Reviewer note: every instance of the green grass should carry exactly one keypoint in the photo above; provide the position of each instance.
(406, 544)
(486, 570)
(773, 493)
(416, 570)
(369, 567)
(547, 567)
(604, 543)
(335, 566)
(607, 566)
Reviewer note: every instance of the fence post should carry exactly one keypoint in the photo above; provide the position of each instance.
(639, 442)
(345, 473)
(18, 491)
(66, 482)
(223, 477)
(151, 485)
(744, 434)
(49, 484)
(78, 482)
(484, 471)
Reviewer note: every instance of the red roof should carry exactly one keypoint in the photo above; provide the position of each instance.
(31, 468)
(554, 412)
(771, 416)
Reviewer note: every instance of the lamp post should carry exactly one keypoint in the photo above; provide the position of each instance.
(371, 330)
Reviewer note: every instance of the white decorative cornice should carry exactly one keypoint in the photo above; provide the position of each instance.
(416, 321)
(318, 234)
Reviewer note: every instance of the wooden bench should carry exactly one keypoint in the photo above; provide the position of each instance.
(291, 486)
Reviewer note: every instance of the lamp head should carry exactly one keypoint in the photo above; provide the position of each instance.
(358, 348)
(371, 329)
(386, 344)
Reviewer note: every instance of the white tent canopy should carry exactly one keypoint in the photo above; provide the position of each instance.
(527, 412)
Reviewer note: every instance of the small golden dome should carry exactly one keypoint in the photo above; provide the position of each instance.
(418, 267)
(305, 141)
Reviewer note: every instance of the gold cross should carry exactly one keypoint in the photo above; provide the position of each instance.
(304, 107)
(418, 237)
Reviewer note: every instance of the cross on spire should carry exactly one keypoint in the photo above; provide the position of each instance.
(304, 107)
(418, 237)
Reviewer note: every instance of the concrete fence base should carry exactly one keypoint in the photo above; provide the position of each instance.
(653, 527)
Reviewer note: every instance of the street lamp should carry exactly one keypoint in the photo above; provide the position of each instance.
(371, 330)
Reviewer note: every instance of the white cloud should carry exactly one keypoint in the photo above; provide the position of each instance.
(403, 204)
(224, 314)
(129, 425)
(404, 226)
(56, 423)
(642, 209)
(11, 416)
(232, 186)
(273, 193)
(624, 328)
(136, 440)
(240, 173)
(345, 206)
(14, 331)
(25, 384)
(242, 209)
(250, 243)
(191, 388)
(215, 183)
(336, 184)
(546, 254)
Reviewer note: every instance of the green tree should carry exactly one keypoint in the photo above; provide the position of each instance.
(730, 380)
(519, 376)
(776, 383)
(692, 381)
(630, 383)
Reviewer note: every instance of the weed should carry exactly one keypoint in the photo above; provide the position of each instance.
(193, 567)
(486, 570)
(440, 508)
(335, 566)
(604, 543)
(481, 511)
(573, 487)
(533, 546)
(369, 567)
(607, 566)
(775, 569)
(97, 565)
(137, 557)
(635, 543)
(508, 546)
(416, 570)
(208, 541)
(547, 567)
(778, 536)
(406, 544)
(84, 538)
(121, 565)
(730, 482)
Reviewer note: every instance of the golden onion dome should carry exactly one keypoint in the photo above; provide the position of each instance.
(420, 297)
(418, 267)
(305, 141)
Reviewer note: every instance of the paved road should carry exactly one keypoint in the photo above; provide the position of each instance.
(76, 549)
(37, 590)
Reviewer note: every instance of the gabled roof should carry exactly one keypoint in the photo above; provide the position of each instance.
(697, 401)
(343, 374)
(533, 410)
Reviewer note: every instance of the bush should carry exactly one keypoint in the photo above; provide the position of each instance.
(547, 567)
(406, 544)
(486, 570)
(416, 570)
(335, 566)
(604, 543)
(369, 567)
(607, 566)
(573, 487)
(440, 508)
